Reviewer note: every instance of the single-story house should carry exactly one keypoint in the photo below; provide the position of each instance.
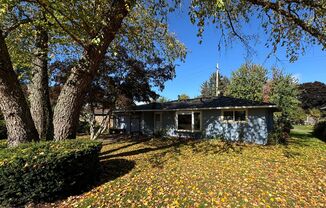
(213, 117)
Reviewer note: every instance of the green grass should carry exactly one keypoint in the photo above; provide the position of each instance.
(174, 173)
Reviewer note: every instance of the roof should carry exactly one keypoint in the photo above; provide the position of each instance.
(100, 111)
(220, 102)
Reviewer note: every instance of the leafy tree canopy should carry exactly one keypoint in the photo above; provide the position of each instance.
(247, 82)
(312, 95)
(291, 24)
(208, 87)
(183, 96)
(284, 93)
(162, 99)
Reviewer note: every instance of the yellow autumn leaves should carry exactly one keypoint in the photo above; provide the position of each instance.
(196, 175)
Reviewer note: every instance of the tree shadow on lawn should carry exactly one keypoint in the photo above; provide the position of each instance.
(172, 147)
(107, 155)
(113, 169)
(300, 138)
(120, 148)
(109, 170)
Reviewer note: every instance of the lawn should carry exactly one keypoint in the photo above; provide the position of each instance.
(176, 173)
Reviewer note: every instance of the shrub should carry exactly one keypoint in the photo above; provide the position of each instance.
(3, 144)
(46, 171)
(83, 127)
(277, 136)
(320, 130)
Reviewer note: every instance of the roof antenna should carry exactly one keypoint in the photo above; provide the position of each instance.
(216, 81)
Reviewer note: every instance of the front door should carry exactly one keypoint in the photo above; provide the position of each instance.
(157, 122)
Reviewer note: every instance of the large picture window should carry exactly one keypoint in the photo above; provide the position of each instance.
(234, 115)
(184, 122)
(188, 121)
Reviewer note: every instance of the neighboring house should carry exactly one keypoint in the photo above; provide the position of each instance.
(224, 117)
(100, 114)
(310, 120)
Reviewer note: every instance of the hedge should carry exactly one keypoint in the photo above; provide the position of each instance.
(320, 130)
(46, 171)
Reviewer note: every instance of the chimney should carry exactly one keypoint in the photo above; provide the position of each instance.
(216, 84)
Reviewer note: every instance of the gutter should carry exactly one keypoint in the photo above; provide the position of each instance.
(196, 109)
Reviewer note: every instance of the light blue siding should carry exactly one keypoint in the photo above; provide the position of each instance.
(147, 123)
(169, 124)
(255, 130)
(123, 122)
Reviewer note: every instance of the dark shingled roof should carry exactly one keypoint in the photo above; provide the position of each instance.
(204, 103)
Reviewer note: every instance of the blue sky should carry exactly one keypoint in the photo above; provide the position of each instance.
(202, 58)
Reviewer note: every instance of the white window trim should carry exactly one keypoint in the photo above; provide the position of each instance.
(233, 120)
(192, 120)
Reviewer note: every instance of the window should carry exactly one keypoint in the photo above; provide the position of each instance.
(235, 115)
(188, 121)
(184, 122)
(228, 115)
(239, 115)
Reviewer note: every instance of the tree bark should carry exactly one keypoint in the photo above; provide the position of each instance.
(68, 107)
(19, 122)
(69, 103)
(39, 87)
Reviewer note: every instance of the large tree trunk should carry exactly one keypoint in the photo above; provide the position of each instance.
(13, 104)
(67, 109)
(69, 103)
(39, 87)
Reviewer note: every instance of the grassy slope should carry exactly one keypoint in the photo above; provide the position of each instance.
(210, 173)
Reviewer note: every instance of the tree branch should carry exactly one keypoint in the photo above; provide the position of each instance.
(44, 6)
(321, 37)
(233, 29)
(8, 30)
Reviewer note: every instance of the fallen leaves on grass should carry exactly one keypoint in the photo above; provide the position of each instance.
(199, 174)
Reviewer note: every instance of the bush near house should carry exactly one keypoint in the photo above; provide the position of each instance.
(46, 171)
(320, 130)
(83, 127)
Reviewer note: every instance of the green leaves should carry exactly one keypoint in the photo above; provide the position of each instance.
(248, 82)
(284, 93)
(292, 25)
(46, 170)
(208, 88)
